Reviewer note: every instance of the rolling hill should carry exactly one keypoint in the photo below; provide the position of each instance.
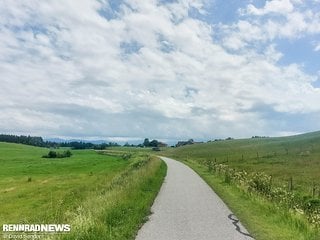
(282, 157)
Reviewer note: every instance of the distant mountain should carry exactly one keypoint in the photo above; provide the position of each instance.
(56, 140)
(61, 140)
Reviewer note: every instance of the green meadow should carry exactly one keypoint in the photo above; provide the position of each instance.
(290, 166)
(102, 196)
(108, 194)
(296, 157)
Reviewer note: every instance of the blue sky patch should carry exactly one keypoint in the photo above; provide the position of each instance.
(130, 47)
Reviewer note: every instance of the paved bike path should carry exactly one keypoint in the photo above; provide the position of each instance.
(186, 208)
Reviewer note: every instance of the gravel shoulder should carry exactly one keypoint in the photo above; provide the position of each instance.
(186, 208)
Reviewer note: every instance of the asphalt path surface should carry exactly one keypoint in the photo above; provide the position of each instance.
(186, 208)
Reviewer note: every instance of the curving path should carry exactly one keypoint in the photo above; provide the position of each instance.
(187, 209)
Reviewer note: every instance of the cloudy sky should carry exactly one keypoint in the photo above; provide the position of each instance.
(165, 69)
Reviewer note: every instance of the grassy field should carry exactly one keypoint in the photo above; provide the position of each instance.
(102, 196)
(285, 158)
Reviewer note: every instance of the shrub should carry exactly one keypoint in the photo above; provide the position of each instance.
(53, 154)
(261, 183)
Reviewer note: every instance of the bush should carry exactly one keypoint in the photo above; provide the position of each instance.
(53, 154)
(261, 183)
(67, 153)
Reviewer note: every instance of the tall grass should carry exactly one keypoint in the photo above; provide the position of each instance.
(122, 207)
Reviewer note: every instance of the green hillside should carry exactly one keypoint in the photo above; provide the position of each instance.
(282, 157)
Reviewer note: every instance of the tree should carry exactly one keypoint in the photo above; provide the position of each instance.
(146, 142)
(153, 143)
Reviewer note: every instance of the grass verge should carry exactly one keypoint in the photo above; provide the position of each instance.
(120, 210)
(262, 219)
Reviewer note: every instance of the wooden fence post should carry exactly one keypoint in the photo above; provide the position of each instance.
(290, 184)
(313, 189)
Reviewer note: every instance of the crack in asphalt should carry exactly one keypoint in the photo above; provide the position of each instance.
(235, 222)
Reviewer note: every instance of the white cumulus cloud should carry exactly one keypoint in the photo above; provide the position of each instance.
(70, 68)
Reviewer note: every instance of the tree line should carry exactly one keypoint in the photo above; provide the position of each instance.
(28, 140)
(39, 142)
(88, 145)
